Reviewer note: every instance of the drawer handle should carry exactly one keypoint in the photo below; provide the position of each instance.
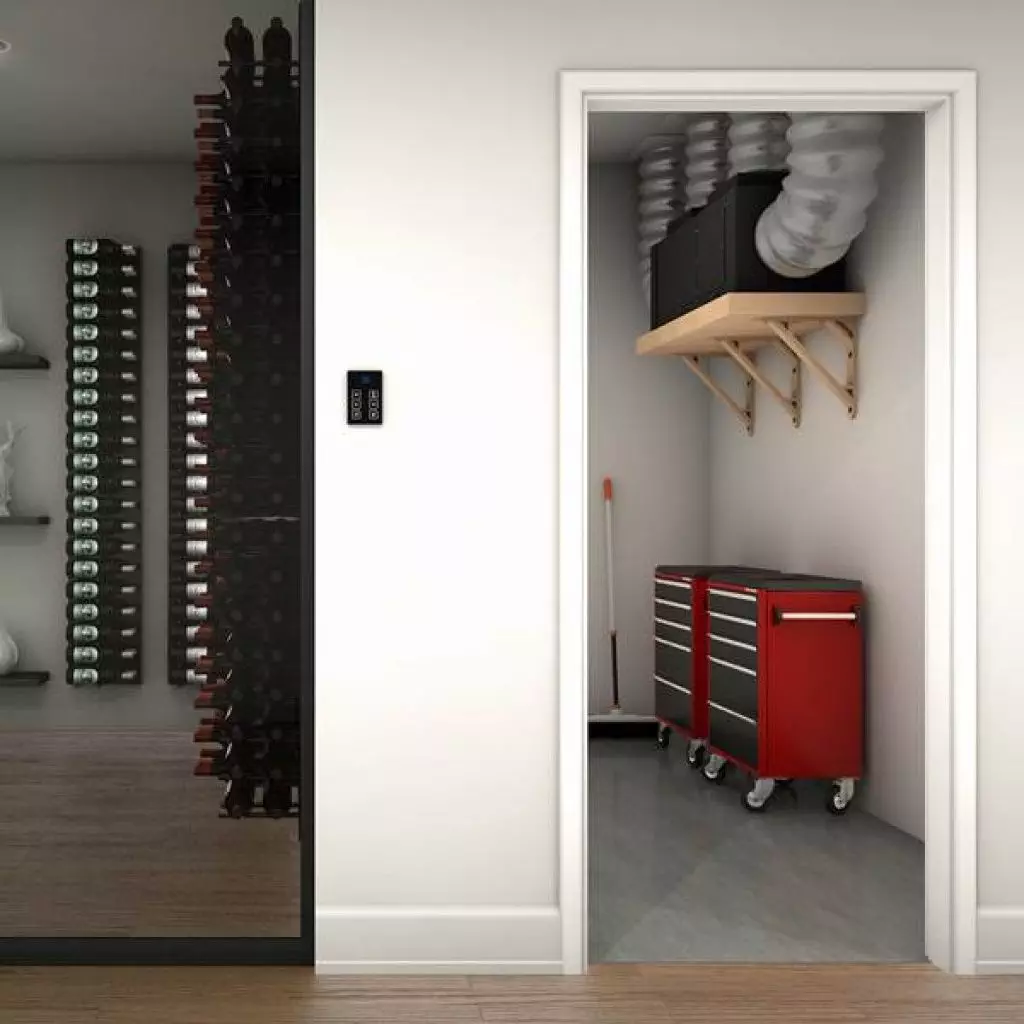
(780, 616)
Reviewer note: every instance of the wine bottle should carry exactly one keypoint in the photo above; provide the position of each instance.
(85, 332)
(91, 569)
(103, 462)
(94, 655)
(102, 269)
(94, 289)
(89, 547)
(109, 529)
(90, 397)
(86, 676)
(190, 612)
(93, 440)
(90, 375)
(190, 547)
(92, 418)
(93, 355)
(90, 634)
(93, 312)
(89, 590)
(92, 505)
(102, 248)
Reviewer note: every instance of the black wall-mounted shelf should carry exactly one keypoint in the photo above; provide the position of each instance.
(24, 520)
(24, 679)
(23, 361)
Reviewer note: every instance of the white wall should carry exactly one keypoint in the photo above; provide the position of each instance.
(40, 206)
(437, 179)
(846, 498)
(649, 428)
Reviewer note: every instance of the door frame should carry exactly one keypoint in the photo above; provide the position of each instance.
(948, 100)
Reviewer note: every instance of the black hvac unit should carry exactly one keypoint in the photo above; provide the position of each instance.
(710, 252)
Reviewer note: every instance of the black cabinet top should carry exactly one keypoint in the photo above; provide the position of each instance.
(706, 571)
(786, 581)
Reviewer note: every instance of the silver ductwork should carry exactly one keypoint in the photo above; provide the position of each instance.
(707, 158)
(757, 142)
(823, 205)
(661, 197)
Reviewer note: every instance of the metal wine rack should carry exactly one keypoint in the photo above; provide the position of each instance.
(104, 465)
(243, 632)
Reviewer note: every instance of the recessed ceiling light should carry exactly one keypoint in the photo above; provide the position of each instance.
(4, 46)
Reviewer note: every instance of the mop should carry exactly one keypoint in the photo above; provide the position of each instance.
(616, 722)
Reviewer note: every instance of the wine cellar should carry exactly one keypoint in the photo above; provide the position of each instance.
(104, 423)
(155, 485)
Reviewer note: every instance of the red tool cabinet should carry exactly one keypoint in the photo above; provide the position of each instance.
(681, 654)
(785, 681)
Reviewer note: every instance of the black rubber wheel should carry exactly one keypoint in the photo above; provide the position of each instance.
(835, 808)
(695, 757)
(664, 735)
(716, 779)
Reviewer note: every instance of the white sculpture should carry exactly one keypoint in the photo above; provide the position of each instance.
(8, 653)
(9, 341)
(7, 469)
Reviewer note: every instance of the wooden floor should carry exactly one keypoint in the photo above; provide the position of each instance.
(612, 995)
(111, 835)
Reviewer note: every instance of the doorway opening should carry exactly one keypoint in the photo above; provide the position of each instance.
(700, 416)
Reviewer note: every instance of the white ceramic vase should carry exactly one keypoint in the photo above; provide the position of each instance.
(7, 470)
(8, 653)
(9, 341)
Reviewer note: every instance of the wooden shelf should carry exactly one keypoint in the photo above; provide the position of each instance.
(23, 361)
(736, 325)
(24, 520)
(24, 679)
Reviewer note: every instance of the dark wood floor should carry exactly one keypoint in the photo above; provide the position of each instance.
(108, 834)
(617, 995)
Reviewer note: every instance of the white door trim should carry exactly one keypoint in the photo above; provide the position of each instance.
(948, 100)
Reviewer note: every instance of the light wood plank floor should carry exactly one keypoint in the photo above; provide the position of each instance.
(612, 995)
(110, 834)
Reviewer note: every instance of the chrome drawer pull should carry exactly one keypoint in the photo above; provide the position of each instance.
(737, 668)
(671, 583)
(735, 714)
(778, 616)
(674, 686)
(732, 643)
(734, 595)
(674, 625)
(733, 618)
(670, 643)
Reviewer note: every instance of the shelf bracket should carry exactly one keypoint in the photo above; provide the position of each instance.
(744, 413)
(792, 402)
(845, 390)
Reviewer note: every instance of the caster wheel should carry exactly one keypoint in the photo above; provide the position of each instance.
(664, 735)
(757, 799)
(839, 799)
(695, 755)
(753, 808)
(714, 770)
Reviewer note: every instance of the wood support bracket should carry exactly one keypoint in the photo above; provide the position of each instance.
(745, 412)
(791, 403)
(845, 390)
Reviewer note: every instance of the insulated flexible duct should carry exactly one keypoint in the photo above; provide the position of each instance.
(757, 142)
(823, 205)
(660, 195)
(707, 158)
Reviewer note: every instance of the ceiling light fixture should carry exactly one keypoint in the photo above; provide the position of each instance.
(4, 46)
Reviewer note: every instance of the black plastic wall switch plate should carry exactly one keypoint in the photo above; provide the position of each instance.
(365, 398)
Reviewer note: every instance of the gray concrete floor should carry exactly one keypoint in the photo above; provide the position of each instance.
(679, 871)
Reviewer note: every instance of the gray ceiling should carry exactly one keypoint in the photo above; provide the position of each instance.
(113, 79)
(614, 138)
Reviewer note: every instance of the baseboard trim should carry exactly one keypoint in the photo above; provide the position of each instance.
(437, 940)
(1000, 940)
